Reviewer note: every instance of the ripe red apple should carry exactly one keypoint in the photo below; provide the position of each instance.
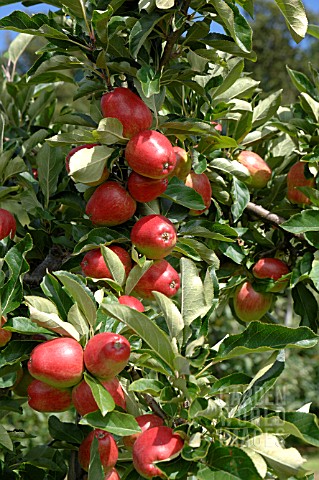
(183, 164)
(153, 445)
(128, 108)
(46, 398)
(5, 337)
(296, 178)
(131, 302)
(107, 449)
(8, 224)
(105, 174)
(145, 189)
(161, 277)
(84, 401)
(154, 236)
(145, 422)
(112, 475)
(58, 362)
(93, 264)
(201, 184)
(260, 172)
(110, 205)
(106, 354)
(150, 154)
(271, 268)
(250, 305)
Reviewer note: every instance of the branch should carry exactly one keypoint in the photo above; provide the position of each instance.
(53, 261)
(150, 401)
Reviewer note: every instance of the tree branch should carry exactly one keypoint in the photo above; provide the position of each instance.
(53, 261)
(150, 401)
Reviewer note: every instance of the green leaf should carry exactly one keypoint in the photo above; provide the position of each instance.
(50, 162)
(241, 466)
(305, 221)
(165, 4)
(5, 439)
(64, 431)
(241, 197)
(24, 325)
(295, 16)
(266, 109)
(95, 467)
(109, 131)
(135, 274)
(230, 78)
(87, 164)
(305, 305)
(146, 385)
(114, 264)
(100, 20)
(77, 137)
(179, 193)
(100, 236)
(156, 338)
(52, 289)
(235, 23)
(141, 30)
(230, 166)
(16, 351)
(18, 46)
(102, 397)
(150, 80)
(118, 423)
(302, 82)
(231, 383)
(173, 317)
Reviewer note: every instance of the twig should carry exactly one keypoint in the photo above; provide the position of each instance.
(53, 261)
(150, 401)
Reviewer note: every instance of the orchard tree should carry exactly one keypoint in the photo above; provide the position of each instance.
(152, 232)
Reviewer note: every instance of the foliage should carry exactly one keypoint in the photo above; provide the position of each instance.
(185, 355)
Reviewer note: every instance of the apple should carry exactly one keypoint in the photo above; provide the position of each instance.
(106, 446)
(112, 475)
(271, 268)
(154, 236)
(154, 445)
(105, 174)
(8, 224)
(150, 154)
(128, 108)
(58, 362)
(84, 401)
(93, 264)
(22, 382)
(110, 204)
(145, 422)
(183, 163)
(260, 172)
(201, 184)
(106, 354)
(46, 398)
(5, 337)
(161, 277)
(217, 125)
(250, 305)
(296, 178)
(145, 189)
(131, 302)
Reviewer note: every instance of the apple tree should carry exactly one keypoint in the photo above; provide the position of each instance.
(157, 230)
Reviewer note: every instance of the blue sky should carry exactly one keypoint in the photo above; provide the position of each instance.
(4, 11)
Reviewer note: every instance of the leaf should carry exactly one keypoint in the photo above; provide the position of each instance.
(50, 162)
(100, 236)
(150, 80)
(302, 82)
(295, 16)
(114, 264)
(52, 289)
(18, 46)
(100, 20)
(118, 423)
(135, 274)
(240, 466)
(179, 193)
(109, 131)
(230, 78)
(230, 166)
(156, 338)
(230, 383)
(77, 319)
(305, 305)
(266, 109)
(260, 337)
(173, 317)
(235, 23)
(165, 4)
(305, 221)
(87, 164)
(95, 466)
(241, 197)
(5, 439)
(64, 431)
(16, 351)
(102, 397)
(146, 385)
(141, 30)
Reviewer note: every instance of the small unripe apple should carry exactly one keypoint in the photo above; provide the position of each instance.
(145, 422)
(132, 302)
(150, 154)
(272, 268)
(260, 172)
(154, 445)
(112, 475)
(201, 184)
(58, 362)
(106, 354)
(106, 446)
(84, 401)
(250, 305)
(105, 175)
(183, 163)
(154, 236)
(145, 189)
(110, 204)
(46, 398)
(5, 337)
(128, 108)
(296, 178)
(8, 224)
(161, 277)
(93, 264)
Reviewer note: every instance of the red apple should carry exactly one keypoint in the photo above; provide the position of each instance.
(260, 172)
(131, 302)
(218, 126)
(58, 362)
(201, 184)
(272, 268)
(84, 401)
(46, 398)
(150, 154)
(107, 449)
(154, 236)
(145, 422)
(93, 264)
(5, 337)
(8, 224)
(105, 174)
(250, 305)
(183, 164)
(106, 354)
(110, 205)
(161, 277)
(154, 445)
(296, 178)
(112, 475)
(128, 108)
(145, 189)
